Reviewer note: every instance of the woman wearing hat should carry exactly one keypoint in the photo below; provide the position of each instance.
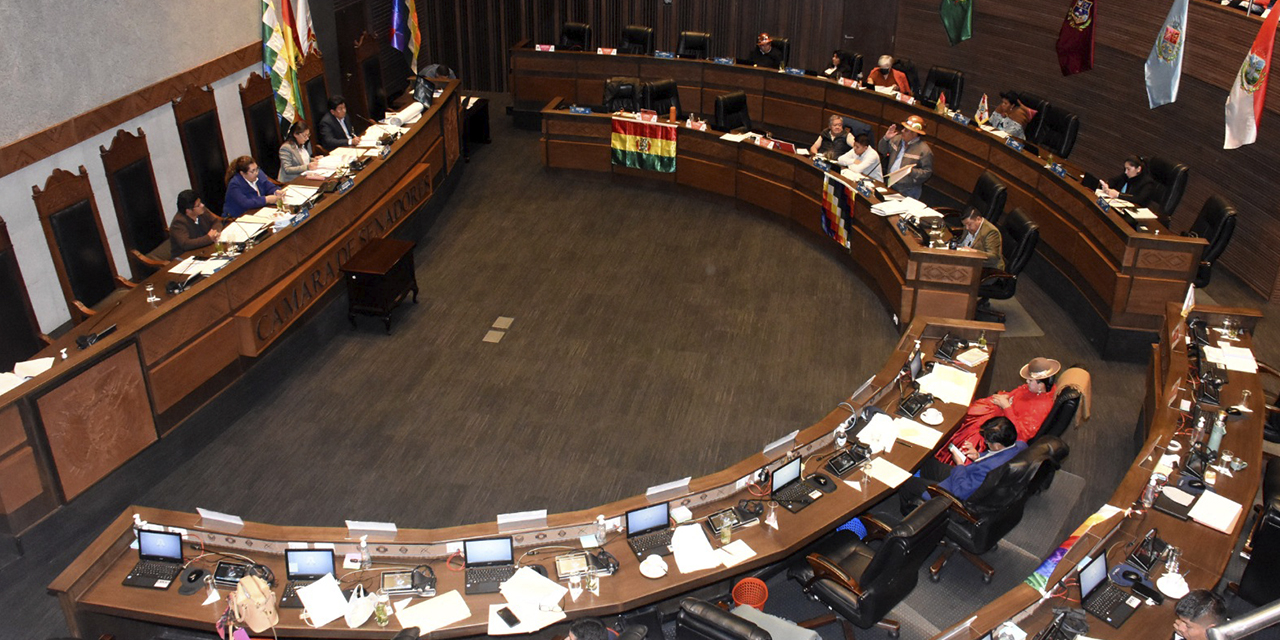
(1027, 406)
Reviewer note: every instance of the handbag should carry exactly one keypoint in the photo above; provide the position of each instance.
(360, 607)
(254, 605)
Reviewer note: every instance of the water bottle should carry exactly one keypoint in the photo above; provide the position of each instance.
(600, 531)
(1215, 436)
(1199, 432)
(1149, 493)
(841, 438)
(366, 561)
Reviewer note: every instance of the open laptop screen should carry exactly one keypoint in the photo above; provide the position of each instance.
(488, 551)
(159, 545)
(786, 474)
(1092, 575)
(642, 521)
(308, 564)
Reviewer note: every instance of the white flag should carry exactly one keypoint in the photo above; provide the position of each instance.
(1164, 65)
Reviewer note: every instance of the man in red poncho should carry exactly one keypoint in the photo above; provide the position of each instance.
(1027, 406)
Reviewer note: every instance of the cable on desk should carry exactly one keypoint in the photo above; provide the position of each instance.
(448, 563)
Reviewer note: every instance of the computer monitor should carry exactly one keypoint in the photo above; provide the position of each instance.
(488, 551)
(308, 564)
(787, 473)
(1093, 575)
(159, 545)
(648, 519)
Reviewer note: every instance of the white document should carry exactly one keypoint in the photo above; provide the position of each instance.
(258, 218)
(901, 173)
(898, 206)
(332, 163)
(1233, 358)
(887, 472)
(692, 550)
(346, 152)
(10, 380)
(33, 368)
(1143, 213)
(528, 587)
(735, 552)
(296, 194)
(911, 431)
(1178, 495)
(239, 231)
(949, 384)
(879, 434)
(734, 137)
(531, 619)
(320, 172)
(973, 357)
(888, 91)
(182, 267)
(440, 611)
(323, 600)
(1215, 511)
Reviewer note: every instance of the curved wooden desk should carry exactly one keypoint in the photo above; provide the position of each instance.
(1121, 276)
(95, 602)
(66, 429)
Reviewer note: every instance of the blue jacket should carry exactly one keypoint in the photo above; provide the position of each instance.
(963, 481)
(241, 197)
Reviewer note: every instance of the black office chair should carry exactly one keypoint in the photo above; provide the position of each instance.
(942, 80)
(1020, 237)
(1258, 584)
(783, 45)
(661, 95)
(694, 44)
(637, 40)
(988, 199)
(1216, 223)
(1058, 132)
(1052, 452)
(701, 620)
(1270, 426)
(856, 64)
(1039, 106)
(621, 94)
(731, 112)
(1172, 178)
(856, 126)
(634, 632)
(861, 584)
(977, 524)
(1061, 415)
(908, 69)
(575, 36)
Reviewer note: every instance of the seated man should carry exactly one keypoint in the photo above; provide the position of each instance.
(1027, 407)
(834, 141)
(884, 75)
(1000, 439)
(589, 629)
(764, 55)
(981, 235)
(194, 226)
(1197, 612)
(863, 159)
(906, 147)
(1010, 116)
(335, 127)
(438, 71)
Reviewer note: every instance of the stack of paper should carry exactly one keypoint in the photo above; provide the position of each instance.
(1215, 511)
(880, 433)
(10, 380)
(898, 207)
(911, 431)
(333, 162)
(949, 384)
(973, 357)
(323, 600)
(240, 231)
(735, 552)
(1143, 213)
(33, 368)
(193, 265)
(692, 550)
(734, 137)
(529, 587)
(1233, 358)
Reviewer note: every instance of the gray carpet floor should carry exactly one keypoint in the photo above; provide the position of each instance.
(656, 334)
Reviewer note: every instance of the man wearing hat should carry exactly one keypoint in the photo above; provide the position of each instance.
(1027, 407)
(764, 55)
(905, 147)
(1010, 116)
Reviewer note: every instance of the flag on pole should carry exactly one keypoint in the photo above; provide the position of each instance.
(837, 210)
(1164, 65)
(294, 55)
(984, 113)
(302, 29)
(278, 63)
(1244, 103)
(1075, 39)
(957, 20)
(644, 145)
(404, 29)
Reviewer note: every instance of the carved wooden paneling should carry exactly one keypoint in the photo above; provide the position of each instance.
(202, 144)
(184, 323)
(97, 420)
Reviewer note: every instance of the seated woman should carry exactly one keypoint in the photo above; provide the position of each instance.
(841, 65)
(247, 188)
(1027, 406)
(1011, 116)
(296, 155)
(1134, 184)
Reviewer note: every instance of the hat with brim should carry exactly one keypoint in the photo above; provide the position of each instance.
(1040, 368)
(914, 123)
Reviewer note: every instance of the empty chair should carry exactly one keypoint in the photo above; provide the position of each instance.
(1037, 106)
(1258, 584)
(701, 620)
(621, 94)
(694, 44)
(1054, 451)
(731, 112)
(636, 40)
(1058, 132)
(856, 126)
(908, 69)
(861, 584)
(1172, 178)
(661, 95)
(942, 80)
(1019, 243)
(783, 45)
(21, 337)
(1216, 223)
(988, 199)
(575, 36)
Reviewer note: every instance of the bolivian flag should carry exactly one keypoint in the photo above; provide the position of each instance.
(644, 145)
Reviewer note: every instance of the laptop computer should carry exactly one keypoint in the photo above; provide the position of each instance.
(1102, 597)
(649, 530)
(159, 560)
(792, 491)
(302, 567)
(490, 562)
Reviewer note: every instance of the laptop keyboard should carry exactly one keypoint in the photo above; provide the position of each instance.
(794, 492)
(157, 570)
(1108, 599)
(650, 541)
(477, 575)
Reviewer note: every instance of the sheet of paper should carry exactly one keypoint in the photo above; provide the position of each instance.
(531, 619)
(735, 552)
(323, 600)
(901, 173)
(296, 194)
(1178, 495)
(898, 206)
(9, 380)
(949, 384)
(973, 357)
(332, 163)
(911, 431)
(240, 231)
(182, 267)
(440, 611)
(346, 152)
(210, 266)
(880, 433)
(33, 368)
(887, 472)
(1143, 213)
(692, 550)
(257, 218)
(734, 137)
(320, 172)
(529, 587)
(1215, 511)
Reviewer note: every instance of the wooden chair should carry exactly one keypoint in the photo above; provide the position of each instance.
(81, 255)
(21, 337)
(202, 146)
(136, 197)
(315, 91)
(369, 95)
(258, 104)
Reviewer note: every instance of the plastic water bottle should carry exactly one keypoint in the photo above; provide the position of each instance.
(366, 561)
(1149, 493)
(1215, 436)
(600, 531)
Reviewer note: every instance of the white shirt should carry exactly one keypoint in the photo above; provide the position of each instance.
(867, 163)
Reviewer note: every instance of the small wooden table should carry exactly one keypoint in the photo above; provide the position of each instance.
(378, 278)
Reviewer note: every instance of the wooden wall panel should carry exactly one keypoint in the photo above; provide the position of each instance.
(19, 480)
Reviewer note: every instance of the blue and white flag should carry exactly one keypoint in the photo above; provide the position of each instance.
(1164, 65)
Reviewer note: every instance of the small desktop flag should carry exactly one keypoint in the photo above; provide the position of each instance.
(404, 30)
(957, 20)
(1075, 39)
(1244, 103)
(837, 210)
(941, 107)
(1164, 65)
(984, 113)
(644, 145)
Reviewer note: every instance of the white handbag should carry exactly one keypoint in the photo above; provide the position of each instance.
(360, 607)
(254, 605)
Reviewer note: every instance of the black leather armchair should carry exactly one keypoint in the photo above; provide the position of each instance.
(988, 199)
(856, 126)
(1058, 132)
(701, 620)
(855, 63)
(661, 95)
(1271, 425)
(694, 44)
(621, 94)
(636, 40)
(1258, 584)
(1021, 236)
(908, 69)
(1061, 415)
(731, 112)
(1216, 223)
(634, 632)
(1172, 178)
(783, 45)
(575, 36)
(1051, 451)
(861, 584)
(942, 80)
(1039, 106)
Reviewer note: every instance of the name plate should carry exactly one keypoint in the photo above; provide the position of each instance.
(345, 184)
(386, 151)
(656, 492)
(1103, 204)
(902, 97)
(1058, 169)
(780, 445)
(821, 164)
(697, 126)
(579, 110)
(863, 189)
(728, 61)
(605, 51)
(647, 115)
(1013, 143)
(765, 142)
(297, 218)
(522, 520)
(848, 82)
(544, 47)
(961, 118)
(663, 54)
(792, 71)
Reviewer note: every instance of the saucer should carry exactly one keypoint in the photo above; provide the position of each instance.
(653, 567)
(1172, 585)
(1173, 447)
(931, 417)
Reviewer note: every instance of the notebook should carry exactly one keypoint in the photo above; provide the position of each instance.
(159, 560)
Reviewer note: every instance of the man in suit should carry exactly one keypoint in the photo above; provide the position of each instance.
(981, 235)
(963, 480)
(194, 226)
(335, 128)
(905, 147)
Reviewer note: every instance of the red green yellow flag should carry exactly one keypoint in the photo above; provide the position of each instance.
(644, 145)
